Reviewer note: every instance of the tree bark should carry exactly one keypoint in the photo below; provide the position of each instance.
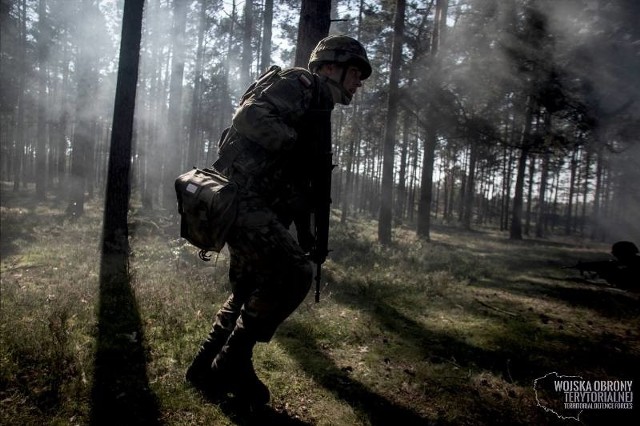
(595, 215)
(516, 219)
(315, 20)
(431, 137)
(401, 200)
(426, 184)
(542, 210)
(84, 130)
(247, 51)
(41, 146)
(585, 193)
(19, 157)
(532, 170)
(267, 29)
(572, 183)
(470, 187)
(386, 194)
(195, 130)
(172, 160)
(115, 229)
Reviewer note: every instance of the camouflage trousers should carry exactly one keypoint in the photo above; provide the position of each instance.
(269, 273)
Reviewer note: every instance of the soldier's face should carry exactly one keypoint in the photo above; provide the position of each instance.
(352, 80)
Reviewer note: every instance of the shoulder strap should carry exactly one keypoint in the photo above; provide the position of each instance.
(231, 153)
(235, 148)
(263, 80)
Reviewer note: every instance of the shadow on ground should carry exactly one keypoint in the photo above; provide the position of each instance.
(120, 394)
(242, 415)
(527, 344)
(575, 292)
(378, 410)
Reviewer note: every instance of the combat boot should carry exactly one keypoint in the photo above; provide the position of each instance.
(232, 371)
(199, 372)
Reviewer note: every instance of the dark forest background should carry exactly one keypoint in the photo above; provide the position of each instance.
(495, 143)
(521, 115)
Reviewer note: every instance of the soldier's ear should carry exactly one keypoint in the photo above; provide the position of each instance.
(327, 68)
(332, 70)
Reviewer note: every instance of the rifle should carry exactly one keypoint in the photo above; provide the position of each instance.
(321, 190)
(601, 268)
(322, 212)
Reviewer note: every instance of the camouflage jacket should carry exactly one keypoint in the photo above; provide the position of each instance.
(271, 140)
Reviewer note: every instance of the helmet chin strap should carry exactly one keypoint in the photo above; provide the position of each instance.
(339, 94)
(343, 76)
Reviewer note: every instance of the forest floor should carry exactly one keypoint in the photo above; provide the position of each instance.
(463, 330)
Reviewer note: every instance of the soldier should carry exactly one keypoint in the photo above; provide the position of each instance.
(269, 151)
(626, 274)
(623, 272)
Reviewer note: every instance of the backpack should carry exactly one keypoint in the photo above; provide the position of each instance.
(207, 203)
(207, 200)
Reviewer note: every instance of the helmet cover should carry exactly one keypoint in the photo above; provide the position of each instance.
(343, 50)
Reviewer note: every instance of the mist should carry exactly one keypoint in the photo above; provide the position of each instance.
(578, 59)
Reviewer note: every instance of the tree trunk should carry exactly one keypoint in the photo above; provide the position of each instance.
(572, 183)
(577, 185)
(267, 29)
(41, 146)
(554, 207)
(225, 95)
(415, 153)
(19, 157)
(120, 363)
(62, 125)
(585, 193)
(542, 211)
(463, 185)
(401, 200)
(532, 171)
(426, 184)
(156, 132)
(386, 194)
(315, 20)
(355, 136)
(84, 130)
(470, 187)
(172, 160)
(115, 231)
(247, 51)
(431, 138)
(516, 219)
(595, 215)
(195, 130)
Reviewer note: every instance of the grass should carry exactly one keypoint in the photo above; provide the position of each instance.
(450, 332)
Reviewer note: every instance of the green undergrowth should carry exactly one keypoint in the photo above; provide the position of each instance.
(450, 331)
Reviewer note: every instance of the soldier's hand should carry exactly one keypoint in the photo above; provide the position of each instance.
(305, 239)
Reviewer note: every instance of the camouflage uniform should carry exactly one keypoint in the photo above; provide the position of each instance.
(269, 152)
(269, 272)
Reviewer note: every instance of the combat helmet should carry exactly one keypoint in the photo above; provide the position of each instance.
(624, 249)
(341, 49)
